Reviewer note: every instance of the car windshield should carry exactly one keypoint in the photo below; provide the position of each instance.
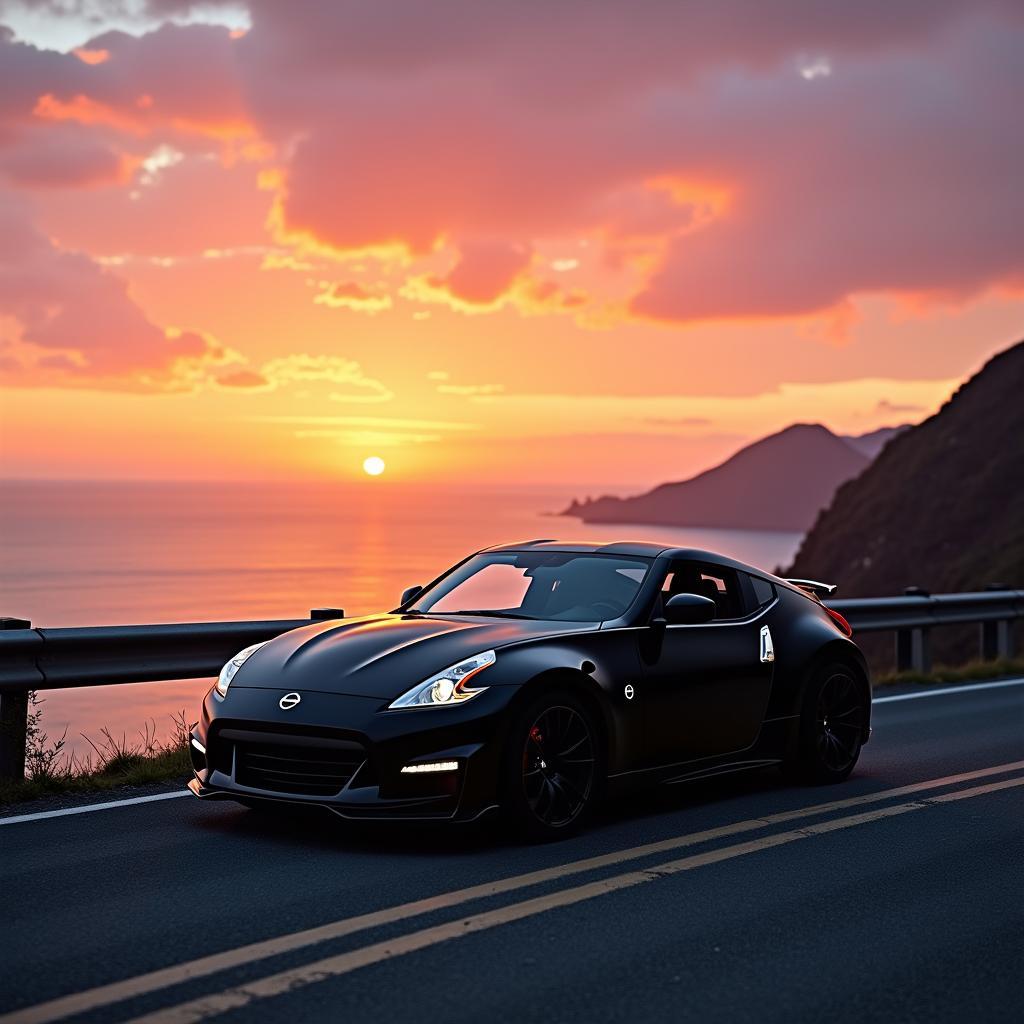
(565, 586)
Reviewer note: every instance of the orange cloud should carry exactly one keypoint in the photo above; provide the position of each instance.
(484, 271)
(248, 379)
(70, 157)
(343, 378)
(87, 56)
(488, 275)
(483, 274)
(766, 191)
(351, 295)
(337, 371)
(85, 110)
(69, 321)
(682, 171)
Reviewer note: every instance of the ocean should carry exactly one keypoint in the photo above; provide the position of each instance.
(108, 553)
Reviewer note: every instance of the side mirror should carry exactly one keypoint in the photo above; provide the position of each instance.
(689, 610)
(409, 594)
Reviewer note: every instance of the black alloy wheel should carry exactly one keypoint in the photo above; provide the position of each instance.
(553, 768)
(558, 766)
(839, 722)
(833, 721)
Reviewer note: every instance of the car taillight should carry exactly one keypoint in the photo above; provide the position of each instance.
(839, 621)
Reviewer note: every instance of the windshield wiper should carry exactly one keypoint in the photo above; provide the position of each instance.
(491, 612)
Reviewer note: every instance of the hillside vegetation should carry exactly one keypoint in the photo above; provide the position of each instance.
(942, 506)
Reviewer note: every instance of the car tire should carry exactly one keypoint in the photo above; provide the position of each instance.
(553, 768)
(833, 718)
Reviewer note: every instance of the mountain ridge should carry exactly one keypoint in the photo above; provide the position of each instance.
(871, 443)
(779, 482)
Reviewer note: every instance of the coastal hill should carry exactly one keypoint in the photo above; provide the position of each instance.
(872, 443)
(942, 506)
(778, 483)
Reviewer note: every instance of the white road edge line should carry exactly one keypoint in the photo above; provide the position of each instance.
(15, 819)
(917, 694)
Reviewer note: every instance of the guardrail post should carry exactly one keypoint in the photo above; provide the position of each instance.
(996, 640)
(323, 614)
(13, 721)
(996, 636)
(913, 650)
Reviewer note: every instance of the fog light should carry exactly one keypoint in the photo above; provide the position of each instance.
(430, 766)
(198, 745)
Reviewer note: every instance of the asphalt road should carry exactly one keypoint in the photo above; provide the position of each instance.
(723, 901)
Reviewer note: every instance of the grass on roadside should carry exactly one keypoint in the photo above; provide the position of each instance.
(972, 672)
(50, 770)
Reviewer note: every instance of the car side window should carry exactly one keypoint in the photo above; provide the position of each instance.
(720, 584)
(763, 591)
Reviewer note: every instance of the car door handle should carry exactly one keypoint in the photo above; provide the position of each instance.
(767, 647)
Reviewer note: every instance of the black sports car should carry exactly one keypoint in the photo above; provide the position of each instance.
(533, 678)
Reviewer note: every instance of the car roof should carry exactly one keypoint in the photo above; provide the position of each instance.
(641, 548)
(638, 547)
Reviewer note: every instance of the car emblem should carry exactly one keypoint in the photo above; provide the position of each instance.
(628, 691)
(288, 701)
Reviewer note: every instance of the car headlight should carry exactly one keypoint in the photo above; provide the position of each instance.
(227, 673)
(447, 687)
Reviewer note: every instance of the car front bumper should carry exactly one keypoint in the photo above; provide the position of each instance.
(346, 754)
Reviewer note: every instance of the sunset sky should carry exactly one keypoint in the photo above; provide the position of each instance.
(575, 242)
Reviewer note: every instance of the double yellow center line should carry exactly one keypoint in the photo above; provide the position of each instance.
(275, 984)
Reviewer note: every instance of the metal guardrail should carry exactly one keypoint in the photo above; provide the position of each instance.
(913, 616)
(47, 659)
(38, 659)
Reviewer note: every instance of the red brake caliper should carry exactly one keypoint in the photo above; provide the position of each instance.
(535, 737)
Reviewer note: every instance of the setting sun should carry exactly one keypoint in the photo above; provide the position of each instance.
(373, 465)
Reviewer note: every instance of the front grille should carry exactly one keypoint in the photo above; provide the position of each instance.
(303, 766)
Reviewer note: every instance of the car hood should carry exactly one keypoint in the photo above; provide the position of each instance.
(382, 655)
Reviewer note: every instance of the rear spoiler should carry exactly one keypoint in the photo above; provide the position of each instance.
(814, 588)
